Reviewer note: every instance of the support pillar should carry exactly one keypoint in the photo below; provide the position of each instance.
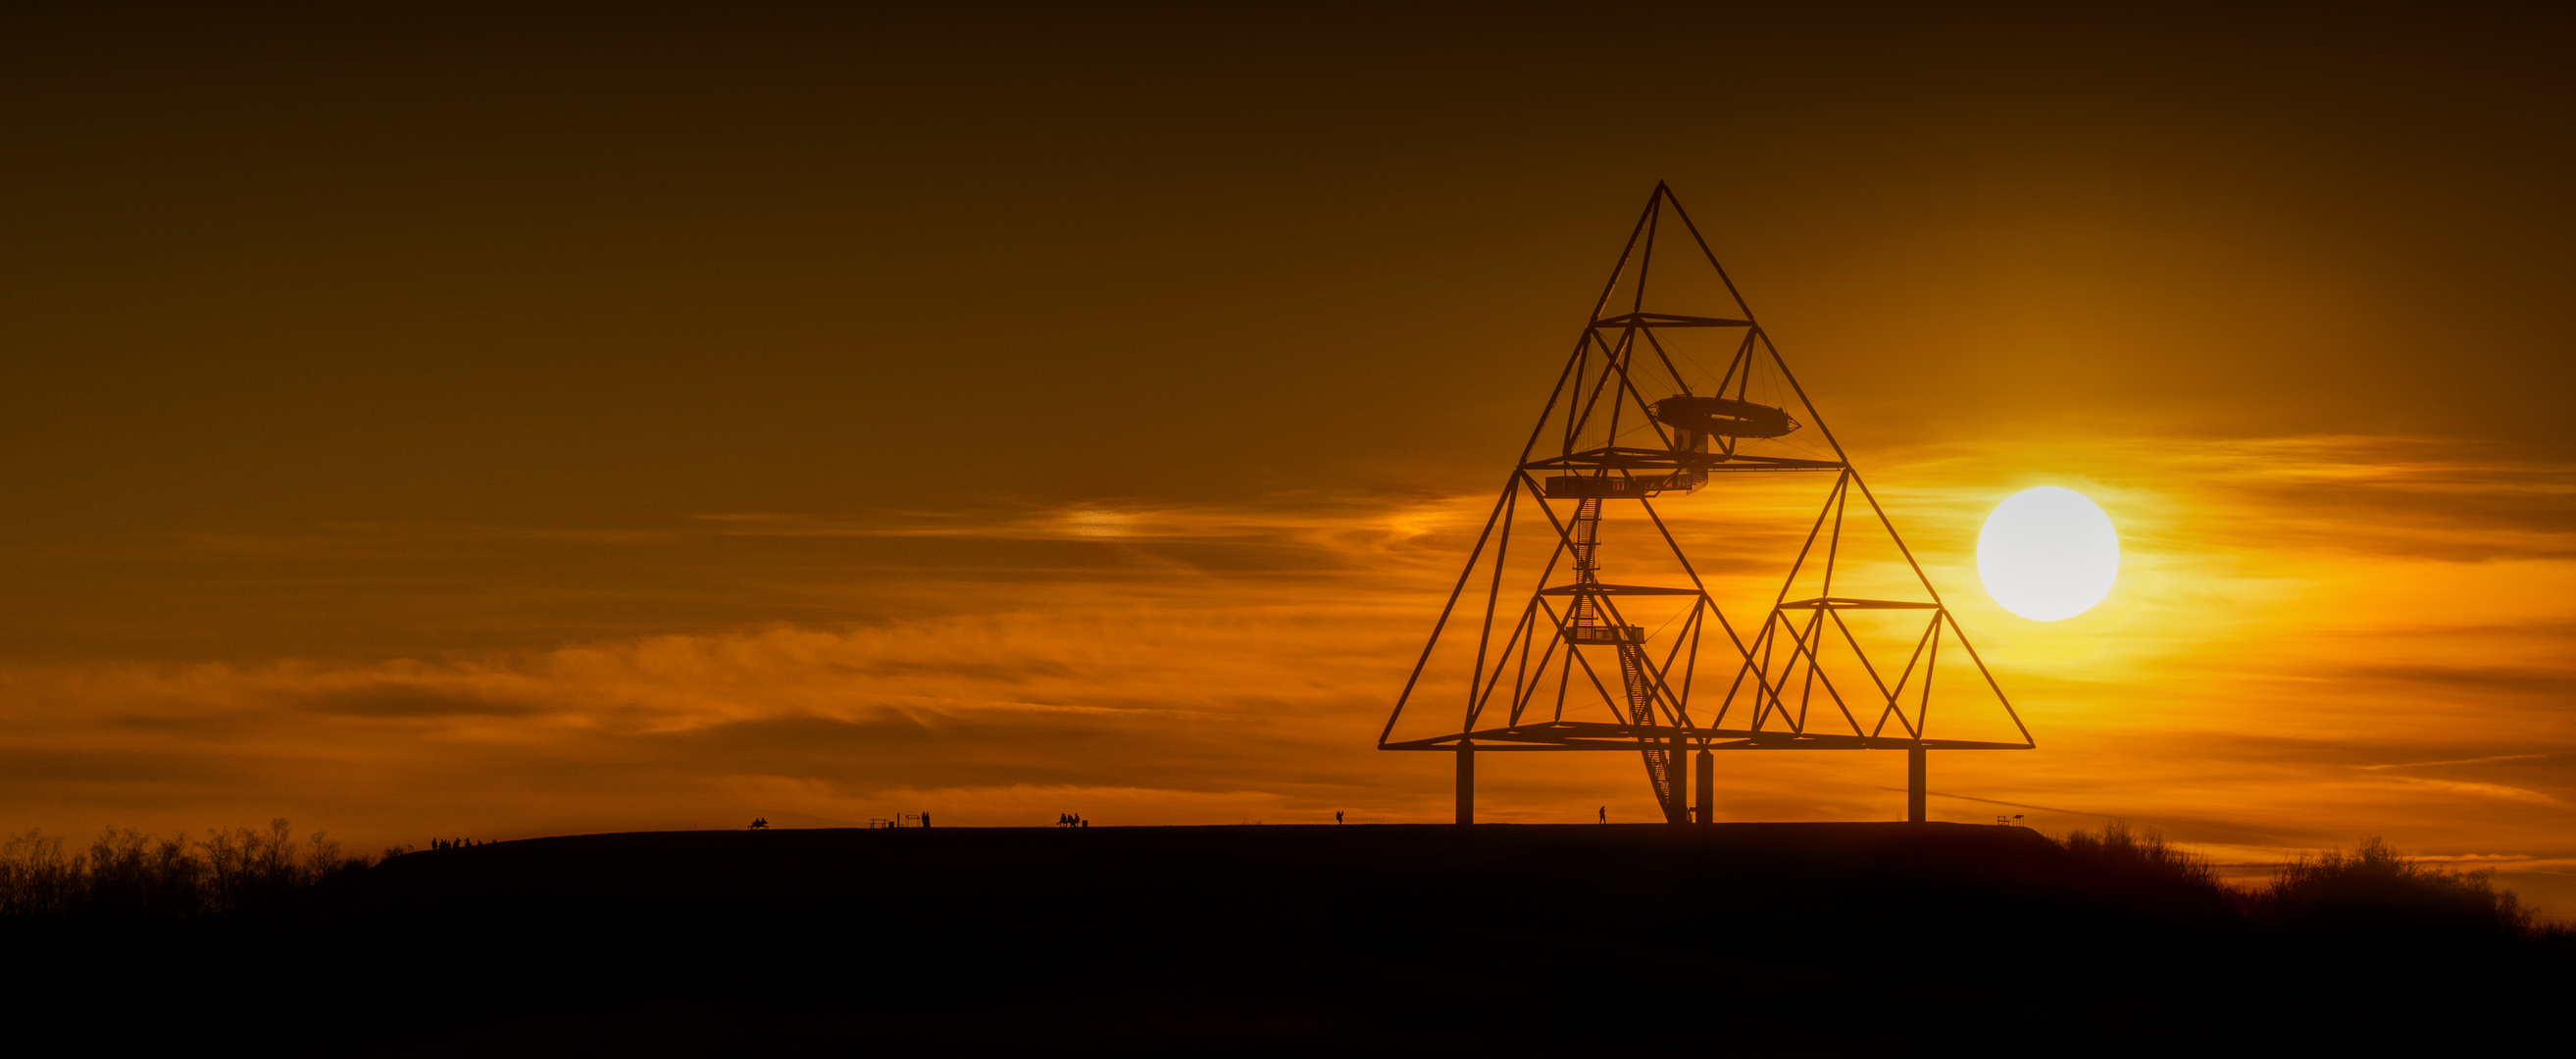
(1677, 769)
(1914, 784)
(1707, 777)
(1466, 784)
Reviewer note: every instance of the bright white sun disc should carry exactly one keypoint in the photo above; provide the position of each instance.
(2048, 554)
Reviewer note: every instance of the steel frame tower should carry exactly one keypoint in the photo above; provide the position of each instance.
(1803, 680)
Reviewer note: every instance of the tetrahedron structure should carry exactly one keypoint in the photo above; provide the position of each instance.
(1581, 621)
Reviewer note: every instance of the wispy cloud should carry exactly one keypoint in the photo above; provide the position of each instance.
(2460, 761)
(2480, 790)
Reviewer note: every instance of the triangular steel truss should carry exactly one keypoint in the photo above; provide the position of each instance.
(1627, 423)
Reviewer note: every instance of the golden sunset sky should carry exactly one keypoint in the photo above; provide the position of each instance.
(469, 421)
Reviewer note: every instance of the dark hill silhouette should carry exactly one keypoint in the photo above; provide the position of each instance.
(1816, 938)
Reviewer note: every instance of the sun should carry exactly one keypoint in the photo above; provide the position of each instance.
(2048, 554)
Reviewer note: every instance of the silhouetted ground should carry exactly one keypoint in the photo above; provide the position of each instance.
(1497, 939)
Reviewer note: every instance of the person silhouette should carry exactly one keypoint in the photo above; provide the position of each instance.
(1605, 814)
(1337, 816)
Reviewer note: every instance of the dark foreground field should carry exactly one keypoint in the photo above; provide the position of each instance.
(1498, 939)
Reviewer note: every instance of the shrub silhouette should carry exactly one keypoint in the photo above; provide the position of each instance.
(131, 873)
(37, 879)
(2373, 885)
(128, 874)
(2148, 855)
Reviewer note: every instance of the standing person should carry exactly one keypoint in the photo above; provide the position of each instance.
(1337, 816)
(1605, 814)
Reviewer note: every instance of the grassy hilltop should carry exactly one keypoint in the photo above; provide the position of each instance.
(1418, 939)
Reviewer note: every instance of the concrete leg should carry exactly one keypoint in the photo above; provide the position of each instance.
(1466, 786)
(1914, 784)
(1677, 767)
(1707, 777)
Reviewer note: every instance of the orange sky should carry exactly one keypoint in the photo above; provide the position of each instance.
(499, 424)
